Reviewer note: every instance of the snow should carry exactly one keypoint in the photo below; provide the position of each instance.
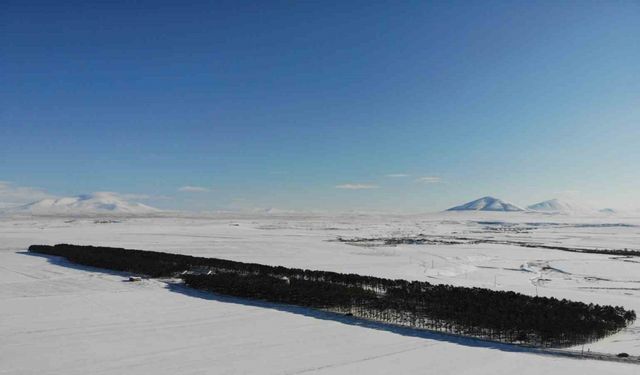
(487, 204)
(60, 318)
(95, 204)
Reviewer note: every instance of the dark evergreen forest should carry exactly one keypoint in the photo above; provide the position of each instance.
(476, 312)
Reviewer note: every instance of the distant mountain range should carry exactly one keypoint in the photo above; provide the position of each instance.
(96, 204)
(555, 206)
(487, 204)
(112, 204)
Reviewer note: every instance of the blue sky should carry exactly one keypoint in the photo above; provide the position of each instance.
(312, 105)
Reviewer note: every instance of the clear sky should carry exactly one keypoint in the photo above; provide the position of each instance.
(344, 105)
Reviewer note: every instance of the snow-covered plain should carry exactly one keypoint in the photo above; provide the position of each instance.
(58, 318)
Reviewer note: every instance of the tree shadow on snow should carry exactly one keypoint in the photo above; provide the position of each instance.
(350, 320)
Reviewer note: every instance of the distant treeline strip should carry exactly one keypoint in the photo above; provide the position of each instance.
(422, 240)
(476, 312)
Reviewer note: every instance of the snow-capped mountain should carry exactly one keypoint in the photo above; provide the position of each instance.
(96, 204)
(487, 204)
(558, 206)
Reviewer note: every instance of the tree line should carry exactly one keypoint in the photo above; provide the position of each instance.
(503, 316)
(421, 240)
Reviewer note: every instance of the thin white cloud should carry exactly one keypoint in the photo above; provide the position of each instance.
(194, 189)
(430, 179)
(356, 186)
(134, 196)
(12, 194)
(397, 175)
(568, 192)
(142, 197)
